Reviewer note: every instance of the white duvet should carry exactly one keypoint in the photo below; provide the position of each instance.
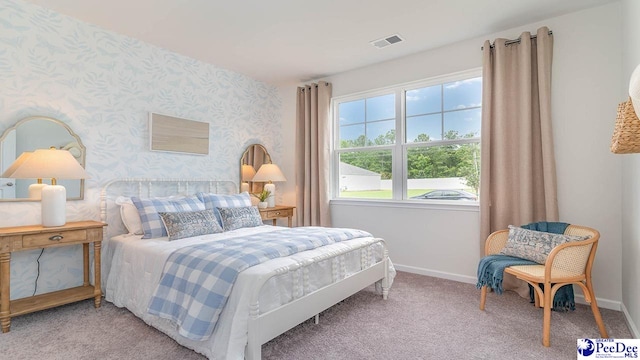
(134, 266)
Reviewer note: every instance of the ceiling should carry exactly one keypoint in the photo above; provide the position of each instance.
(291, 41)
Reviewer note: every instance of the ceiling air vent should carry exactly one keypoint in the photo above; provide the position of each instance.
(384, 42)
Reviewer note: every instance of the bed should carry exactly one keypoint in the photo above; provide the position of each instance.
(266, 299)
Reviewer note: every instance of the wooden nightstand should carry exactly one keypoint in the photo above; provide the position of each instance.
(32, 237)
(277, 212)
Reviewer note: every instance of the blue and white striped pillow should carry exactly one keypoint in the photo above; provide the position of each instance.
(215, 201)
(152, 224)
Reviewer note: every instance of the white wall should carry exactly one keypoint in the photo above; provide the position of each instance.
(630, 175)
(438, 241)
(586, 89)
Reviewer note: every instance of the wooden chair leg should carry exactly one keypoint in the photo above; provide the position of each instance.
(546, 323)
(536, 299)
(596, 314)
(483, 297)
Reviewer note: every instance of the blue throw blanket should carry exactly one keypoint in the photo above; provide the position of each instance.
(491, 269)
(547, 226)
(197, 280)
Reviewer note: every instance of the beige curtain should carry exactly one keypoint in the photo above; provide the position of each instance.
(313, 147)
(518, 175)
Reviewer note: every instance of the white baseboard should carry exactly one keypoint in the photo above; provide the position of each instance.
(603, 303)
(632, 326)
(438, 274)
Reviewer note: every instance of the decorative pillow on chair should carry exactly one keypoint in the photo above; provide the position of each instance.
(189, 223)
(240, 217)
(534, 245)
(215, 201)
(148, 210)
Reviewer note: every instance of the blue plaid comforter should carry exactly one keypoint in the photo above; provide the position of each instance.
(197, 280)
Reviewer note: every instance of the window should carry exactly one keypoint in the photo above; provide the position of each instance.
(366, 139)
(418, 141)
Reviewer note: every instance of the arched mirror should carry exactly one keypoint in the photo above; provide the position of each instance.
(33, 133)
(254, 156)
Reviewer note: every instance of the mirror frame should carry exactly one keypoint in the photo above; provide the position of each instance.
(71, 132)
(243, 161)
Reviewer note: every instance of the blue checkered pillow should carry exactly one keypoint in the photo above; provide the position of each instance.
(215, 201)
(148, 209)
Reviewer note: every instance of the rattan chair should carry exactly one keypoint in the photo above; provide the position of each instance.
(568, 263)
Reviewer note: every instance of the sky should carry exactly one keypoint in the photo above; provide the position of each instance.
(431, 110)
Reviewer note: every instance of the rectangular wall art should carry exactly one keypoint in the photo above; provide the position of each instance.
(173, 134)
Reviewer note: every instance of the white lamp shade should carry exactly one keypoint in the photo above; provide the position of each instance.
(634, 90)
(16, 164)
(269, 173)
(50, 163)
(248, 172)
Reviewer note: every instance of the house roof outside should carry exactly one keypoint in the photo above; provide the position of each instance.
(348, 169)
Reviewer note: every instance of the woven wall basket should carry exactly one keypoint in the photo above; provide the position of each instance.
(626, 135)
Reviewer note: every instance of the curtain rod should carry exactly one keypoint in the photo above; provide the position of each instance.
(514, 41)
(315, 84)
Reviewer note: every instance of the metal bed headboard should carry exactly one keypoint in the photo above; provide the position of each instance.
(145, 188)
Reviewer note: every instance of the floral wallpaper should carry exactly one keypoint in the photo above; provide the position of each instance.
(103, 85)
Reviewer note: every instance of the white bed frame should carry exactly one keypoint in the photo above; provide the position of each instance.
(266, 326)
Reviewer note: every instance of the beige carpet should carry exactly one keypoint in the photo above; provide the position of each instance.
(424, 318)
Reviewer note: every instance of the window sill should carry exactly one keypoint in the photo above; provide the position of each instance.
(408, 204)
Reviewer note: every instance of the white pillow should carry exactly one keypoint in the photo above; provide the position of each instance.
(129, 215)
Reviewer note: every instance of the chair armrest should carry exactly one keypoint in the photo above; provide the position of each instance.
(495, 242)
(571, 258)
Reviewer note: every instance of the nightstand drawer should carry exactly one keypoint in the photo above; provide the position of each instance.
(53, 238)
(274, 214)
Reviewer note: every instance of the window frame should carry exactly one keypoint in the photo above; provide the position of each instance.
(399, 150)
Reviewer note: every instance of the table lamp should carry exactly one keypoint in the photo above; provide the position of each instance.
(54, 164)
(269, 173)
(247, 175)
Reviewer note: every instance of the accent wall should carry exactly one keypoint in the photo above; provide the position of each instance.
(103, 85)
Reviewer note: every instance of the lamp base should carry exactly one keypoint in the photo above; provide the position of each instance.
(35, 191)
(54, 201)
(271, 200)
